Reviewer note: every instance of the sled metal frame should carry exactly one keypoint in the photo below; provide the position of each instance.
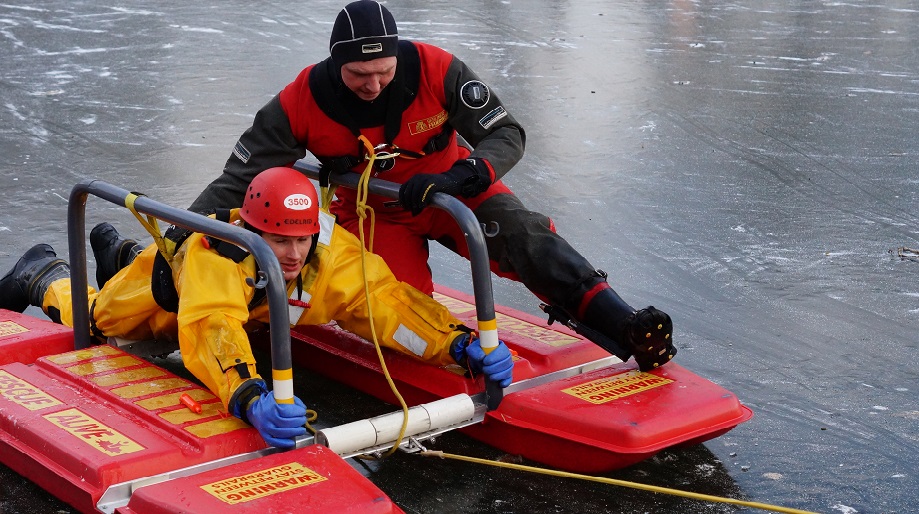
(118, 495)
(279, 321)
(475, 242)
(472, 230)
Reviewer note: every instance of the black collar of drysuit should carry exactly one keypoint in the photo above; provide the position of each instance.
(341, 105)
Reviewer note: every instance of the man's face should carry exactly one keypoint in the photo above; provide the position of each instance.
(366, 79)
(291, 252)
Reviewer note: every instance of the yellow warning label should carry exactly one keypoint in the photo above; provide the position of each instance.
(535, 332)
(613, 388)
(216, 427)
(100, 437)
(92, 352)
(9, 328)
(150, 387)
(101, 366)
(184, 415)
(452, 304)
(263, 483)
(123, 377)
(19, 391)
(172, 399)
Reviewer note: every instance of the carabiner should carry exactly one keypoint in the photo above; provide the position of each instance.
(384, 156)
(386, 151)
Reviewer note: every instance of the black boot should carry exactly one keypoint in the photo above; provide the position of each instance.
(112, 252)
(644, 334)
(650, 333)
(28, 281)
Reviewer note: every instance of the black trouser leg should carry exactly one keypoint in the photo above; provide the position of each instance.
(543, 260)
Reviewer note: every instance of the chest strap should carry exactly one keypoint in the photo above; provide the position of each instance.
(162, 284)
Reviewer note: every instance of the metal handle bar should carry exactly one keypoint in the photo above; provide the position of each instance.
(475, 242)
(279, 321)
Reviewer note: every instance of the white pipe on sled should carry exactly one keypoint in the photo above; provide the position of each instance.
(371, 432)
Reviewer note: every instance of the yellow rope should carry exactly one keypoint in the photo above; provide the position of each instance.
(362, 212)
(151, 225)
(363, 191)
(311, 415)
(622, 483)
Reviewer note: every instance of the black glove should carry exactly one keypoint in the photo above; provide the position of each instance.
(463, 178)
(338, 166)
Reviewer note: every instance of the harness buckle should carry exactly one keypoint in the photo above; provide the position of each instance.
(384, 155)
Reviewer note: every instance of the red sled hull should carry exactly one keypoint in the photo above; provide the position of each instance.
(311, 479)
(590, 422)
(78, 423)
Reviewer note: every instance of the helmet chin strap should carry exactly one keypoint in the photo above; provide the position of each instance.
(250, 228)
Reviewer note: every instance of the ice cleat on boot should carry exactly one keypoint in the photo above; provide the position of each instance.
(604, 318)
(28, 281)
(649, 332)
(112, 252)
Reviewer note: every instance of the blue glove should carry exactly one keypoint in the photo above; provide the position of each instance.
(498, 365)
(278, 423)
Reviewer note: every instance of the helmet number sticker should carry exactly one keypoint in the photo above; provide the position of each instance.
(298, 202)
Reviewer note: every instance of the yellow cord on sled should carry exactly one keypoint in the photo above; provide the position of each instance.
(151, 224)
(622, 483)
(363, 210)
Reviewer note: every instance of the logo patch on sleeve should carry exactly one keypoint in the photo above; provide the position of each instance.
(494, 115)
(242, 152)
(475, 94)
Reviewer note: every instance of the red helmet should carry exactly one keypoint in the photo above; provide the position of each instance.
(282, 201)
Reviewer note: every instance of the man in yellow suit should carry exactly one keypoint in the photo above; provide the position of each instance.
(200, 296)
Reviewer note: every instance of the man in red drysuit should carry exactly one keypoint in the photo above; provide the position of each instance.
(399, 105)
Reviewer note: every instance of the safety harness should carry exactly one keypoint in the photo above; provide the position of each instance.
(162, 283)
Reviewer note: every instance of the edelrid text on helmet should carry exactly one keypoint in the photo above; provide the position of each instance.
(282, 201)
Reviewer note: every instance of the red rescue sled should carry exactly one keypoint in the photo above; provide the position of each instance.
(83, 424)
(572, 406)
(106, 431)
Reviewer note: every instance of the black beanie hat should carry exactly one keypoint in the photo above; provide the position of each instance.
(363, 31)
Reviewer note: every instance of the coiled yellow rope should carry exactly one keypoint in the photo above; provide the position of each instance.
(622, 483)
(363, 210)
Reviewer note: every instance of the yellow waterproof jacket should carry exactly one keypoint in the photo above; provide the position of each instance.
(214, 306)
